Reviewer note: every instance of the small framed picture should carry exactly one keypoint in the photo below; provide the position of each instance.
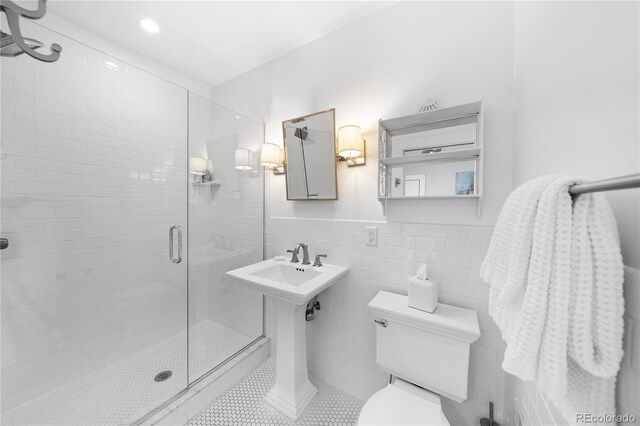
(465, 183)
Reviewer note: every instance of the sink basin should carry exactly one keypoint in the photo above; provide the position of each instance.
(287, 281)
(291, 286)
(285, 274)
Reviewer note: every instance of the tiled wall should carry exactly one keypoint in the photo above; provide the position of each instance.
(225, 220)
(341, 339)
(529, 406)
(93, 175)
(628, 384)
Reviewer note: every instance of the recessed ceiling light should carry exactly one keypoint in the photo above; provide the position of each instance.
(149, 25)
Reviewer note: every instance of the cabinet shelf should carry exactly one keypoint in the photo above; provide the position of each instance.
(432, 197)
(212, 183)
(452, 162)
(432, 158)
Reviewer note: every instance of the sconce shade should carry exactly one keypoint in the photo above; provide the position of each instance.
(243, 159)
(349, 141)
(270, 155)
(197, 165)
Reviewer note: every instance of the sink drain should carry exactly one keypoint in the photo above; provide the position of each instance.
(163, 375)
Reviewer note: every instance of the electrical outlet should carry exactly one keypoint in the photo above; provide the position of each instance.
(371, 236)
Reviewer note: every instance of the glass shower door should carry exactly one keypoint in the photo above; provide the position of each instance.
(94, 175)
(226, 209)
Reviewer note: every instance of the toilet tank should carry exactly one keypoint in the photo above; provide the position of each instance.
(430, 350)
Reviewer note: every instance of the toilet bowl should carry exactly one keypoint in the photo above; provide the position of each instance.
(427, 356)
(402, 403)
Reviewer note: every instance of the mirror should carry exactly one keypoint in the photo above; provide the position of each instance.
(440, 179)
(310, 152)
(429, 175)
(433, 138)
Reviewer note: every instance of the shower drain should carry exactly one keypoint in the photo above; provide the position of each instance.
(163, 375)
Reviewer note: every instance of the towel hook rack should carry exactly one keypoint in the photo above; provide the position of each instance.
(13, 13)
(621, 182)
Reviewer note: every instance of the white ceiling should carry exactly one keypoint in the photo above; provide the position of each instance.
(213, 41)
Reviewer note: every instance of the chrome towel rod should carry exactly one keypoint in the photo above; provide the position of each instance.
(622, 182)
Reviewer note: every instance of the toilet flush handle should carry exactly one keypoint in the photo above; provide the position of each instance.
(383, 322)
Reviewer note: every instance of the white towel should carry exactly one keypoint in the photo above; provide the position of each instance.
(556, 274)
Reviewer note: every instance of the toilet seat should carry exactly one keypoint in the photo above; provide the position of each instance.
(402, 403)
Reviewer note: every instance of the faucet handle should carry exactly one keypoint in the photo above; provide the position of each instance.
(294, 256)
(317, 261)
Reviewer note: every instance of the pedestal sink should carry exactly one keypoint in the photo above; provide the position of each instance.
(291, 286)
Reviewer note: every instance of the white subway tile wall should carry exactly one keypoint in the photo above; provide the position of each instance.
(628, 384)
(341, 340)
(93, 176)
(529, 406)
(225, 222)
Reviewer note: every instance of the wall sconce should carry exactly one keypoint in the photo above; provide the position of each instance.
(243, 159)
(351, 146)
(199, 168)
(271, 157)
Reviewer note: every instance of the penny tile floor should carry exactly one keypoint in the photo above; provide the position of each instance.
(243, 404)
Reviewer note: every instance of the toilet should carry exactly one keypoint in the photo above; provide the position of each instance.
(427, 356)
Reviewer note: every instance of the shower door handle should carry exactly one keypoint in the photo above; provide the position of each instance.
(171, 232)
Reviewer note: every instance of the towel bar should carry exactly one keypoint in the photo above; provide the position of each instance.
(622, 182)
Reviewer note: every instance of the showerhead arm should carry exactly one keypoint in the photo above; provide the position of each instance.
(13, 13)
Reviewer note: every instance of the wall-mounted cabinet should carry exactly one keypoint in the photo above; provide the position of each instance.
(431, 155)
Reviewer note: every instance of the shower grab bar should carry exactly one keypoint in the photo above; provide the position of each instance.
(179, 258)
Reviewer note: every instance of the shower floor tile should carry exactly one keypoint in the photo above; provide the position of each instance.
(124, 391)
(243, 404)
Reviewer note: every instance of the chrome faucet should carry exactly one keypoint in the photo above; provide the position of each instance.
(305, 254)
(318, 262)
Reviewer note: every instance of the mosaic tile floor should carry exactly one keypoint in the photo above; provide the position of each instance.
(243, 405)
(124, 391)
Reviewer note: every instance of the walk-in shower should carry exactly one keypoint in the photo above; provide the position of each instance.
(99, 325)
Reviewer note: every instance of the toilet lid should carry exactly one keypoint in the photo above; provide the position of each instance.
(395, 406)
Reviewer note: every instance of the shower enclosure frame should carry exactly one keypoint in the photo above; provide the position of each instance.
(204, 376)
(190, 383)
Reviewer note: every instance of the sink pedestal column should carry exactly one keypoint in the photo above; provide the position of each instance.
(292, 391)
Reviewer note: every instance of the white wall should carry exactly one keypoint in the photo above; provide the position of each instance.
(577, 109)
(383, 66)
(577, 99)
(86, 36)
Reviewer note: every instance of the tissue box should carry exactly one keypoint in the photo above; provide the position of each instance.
(423, 294)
